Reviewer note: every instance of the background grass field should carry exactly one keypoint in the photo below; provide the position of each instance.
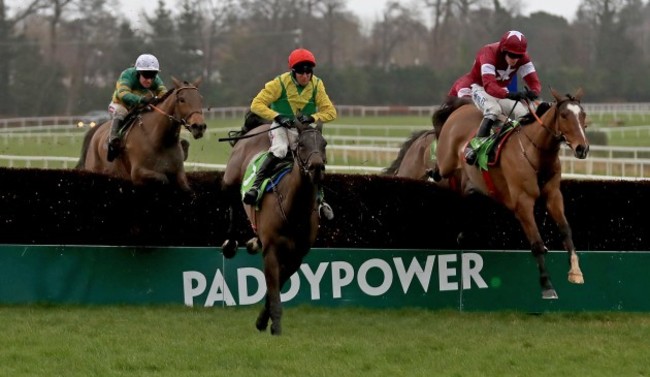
(67, 142)
(180, 341)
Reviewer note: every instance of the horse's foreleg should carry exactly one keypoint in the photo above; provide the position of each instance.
(263, 318)
(272, 275)
(183, 183)
(526, 217)
(555, 207)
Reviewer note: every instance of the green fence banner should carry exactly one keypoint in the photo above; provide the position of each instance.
(436, 279)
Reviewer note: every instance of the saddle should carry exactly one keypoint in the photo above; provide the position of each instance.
(280, 170)
(488, 153)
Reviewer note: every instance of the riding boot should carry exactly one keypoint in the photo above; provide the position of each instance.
(250, 197)
(477, 142)
(324, 209)
(114, 140)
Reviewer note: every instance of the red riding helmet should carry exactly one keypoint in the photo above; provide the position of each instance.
(513, 41)
(301, 55)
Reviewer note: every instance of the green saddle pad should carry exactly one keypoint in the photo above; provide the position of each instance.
(252, 169)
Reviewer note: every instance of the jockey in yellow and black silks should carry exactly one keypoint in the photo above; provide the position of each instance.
(293, 92)
(136, 86)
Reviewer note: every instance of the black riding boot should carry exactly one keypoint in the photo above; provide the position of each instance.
(114, 140)
(266, 169)
(481, 137)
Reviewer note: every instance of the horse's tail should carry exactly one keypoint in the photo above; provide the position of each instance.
(394, 167)
(84, 147)
(450, 105)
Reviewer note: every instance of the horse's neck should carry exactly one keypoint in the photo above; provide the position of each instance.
(543, 134)
(164, 126)
(300, 190)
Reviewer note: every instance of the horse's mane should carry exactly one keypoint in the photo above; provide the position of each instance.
(167, 94)
(450, 105)
(392, 169)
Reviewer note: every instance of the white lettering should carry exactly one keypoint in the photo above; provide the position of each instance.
(189, 292)
(294, 287)
(242, 284)
(472, 272)
(363, 281)
(445, 272)
(341, 280)
(219, 291)
(406, 276)
(314, 279)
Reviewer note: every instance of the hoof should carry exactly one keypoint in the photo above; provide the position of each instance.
(576, 278)
(261, 325)
(253, 246)
(549, 294)
(229, 248)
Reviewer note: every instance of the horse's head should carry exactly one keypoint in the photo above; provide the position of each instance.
(570, 122)
(310, 150)
(189, 106)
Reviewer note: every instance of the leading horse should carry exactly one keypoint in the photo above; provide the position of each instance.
(152, 146)
(528, 169)
(286, 223)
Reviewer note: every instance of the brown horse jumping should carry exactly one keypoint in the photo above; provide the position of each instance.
(528, 169)
(152, 147)
(286, 223)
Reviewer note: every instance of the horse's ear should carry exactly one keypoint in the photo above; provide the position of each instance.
(177, 83)
(579, 93)
(319, 126)
(555, 94)
(197, 82)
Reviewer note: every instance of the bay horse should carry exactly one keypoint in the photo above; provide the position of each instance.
(528, 169)
(416, 158)
(152, 147)
(286, 221)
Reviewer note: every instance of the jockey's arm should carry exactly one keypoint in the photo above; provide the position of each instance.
(263, 100)
(326, 110)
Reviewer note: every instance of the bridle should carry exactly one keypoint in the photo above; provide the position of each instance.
(304, 164)
(179, 120)
(556, 134)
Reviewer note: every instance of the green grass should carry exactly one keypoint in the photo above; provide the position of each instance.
(210, 150)
(179, 341)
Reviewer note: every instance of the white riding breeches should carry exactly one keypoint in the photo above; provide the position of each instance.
(492, 107)
(281, 139)
(117, 110)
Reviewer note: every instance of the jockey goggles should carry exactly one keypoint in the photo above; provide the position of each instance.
(148, 74)
(303, 69)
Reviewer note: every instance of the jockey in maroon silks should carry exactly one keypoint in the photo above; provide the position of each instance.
(495, 66)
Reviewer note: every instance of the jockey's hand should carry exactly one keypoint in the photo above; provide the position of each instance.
(146, 100)
(516, 96)
(531, 95)
(283, 121)
(306, 119)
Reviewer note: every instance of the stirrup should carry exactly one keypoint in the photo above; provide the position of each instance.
(324, 210)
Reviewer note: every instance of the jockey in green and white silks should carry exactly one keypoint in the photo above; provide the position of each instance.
(136, 86)
(293, 92)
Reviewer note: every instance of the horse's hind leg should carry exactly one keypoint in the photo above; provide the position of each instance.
(555, 207)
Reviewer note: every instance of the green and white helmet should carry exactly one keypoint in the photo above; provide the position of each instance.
(147, 62)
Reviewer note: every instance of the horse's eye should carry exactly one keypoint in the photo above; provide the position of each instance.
(181, 100)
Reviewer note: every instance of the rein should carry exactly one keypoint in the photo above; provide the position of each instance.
(182, 121)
